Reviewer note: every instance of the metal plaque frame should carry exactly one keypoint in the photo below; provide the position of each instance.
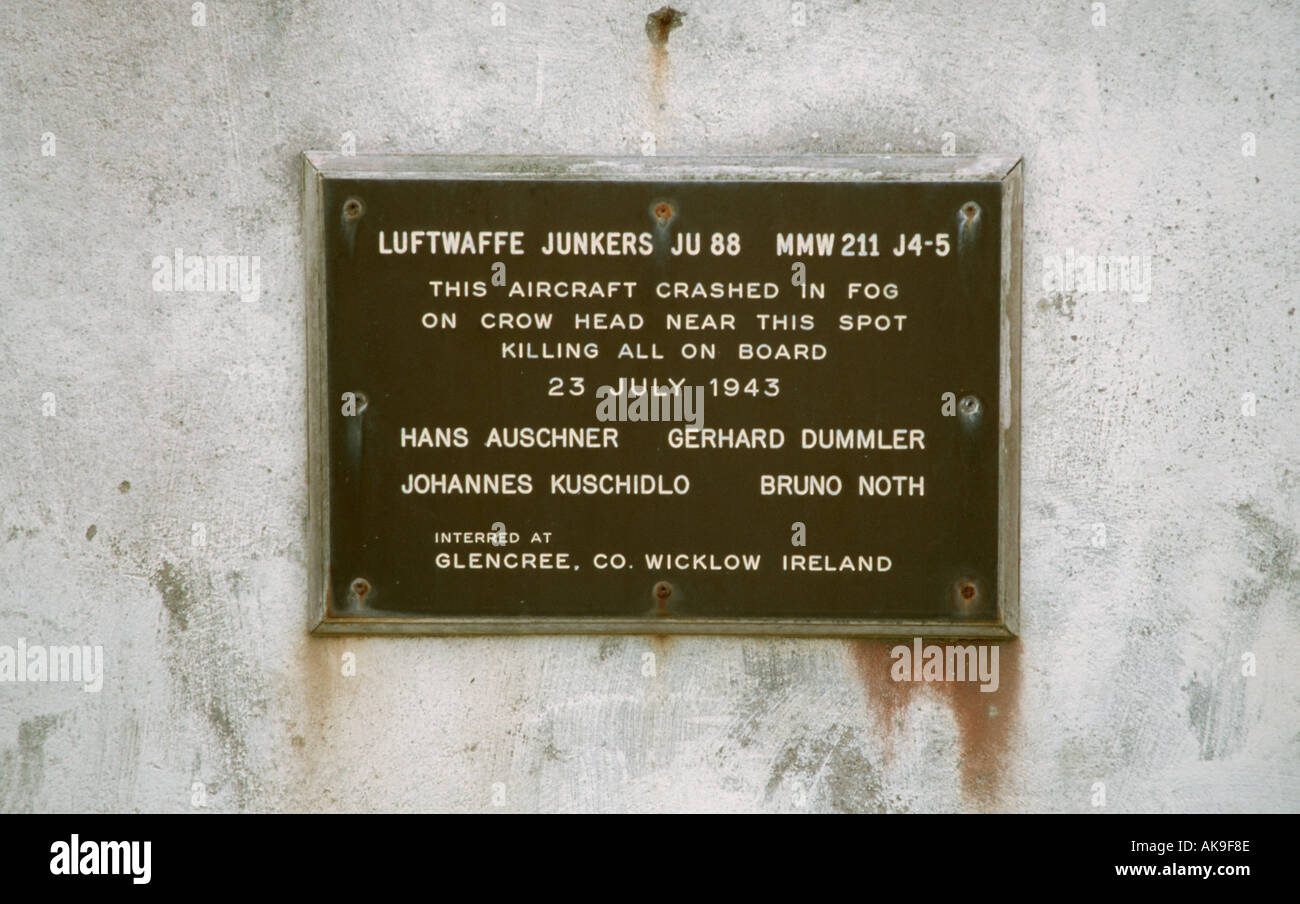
(321, 166)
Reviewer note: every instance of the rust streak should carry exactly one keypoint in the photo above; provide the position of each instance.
(986, 722)
(889, 699)
(662, 592)
(657, 27)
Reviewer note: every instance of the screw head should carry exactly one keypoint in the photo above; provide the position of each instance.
(967, 592)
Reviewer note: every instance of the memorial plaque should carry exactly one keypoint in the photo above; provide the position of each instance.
(765, 396)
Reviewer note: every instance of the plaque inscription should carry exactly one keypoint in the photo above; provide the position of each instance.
(664, 396)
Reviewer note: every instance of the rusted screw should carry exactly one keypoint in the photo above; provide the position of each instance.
(361, 587)
(352, 208)
(970, 210)
(663, 213)
(966, 590)
(661, 592)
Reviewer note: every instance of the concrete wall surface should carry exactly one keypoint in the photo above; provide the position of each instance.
(1157, 668)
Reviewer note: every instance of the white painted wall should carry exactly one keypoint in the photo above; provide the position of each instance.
(173, 409)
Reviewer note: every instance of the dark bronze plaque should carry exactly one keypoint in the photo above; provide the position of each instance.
(830, 346)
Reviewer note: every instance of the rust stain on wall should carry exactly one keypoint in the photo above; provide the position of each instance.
(658, 25)
(985, 720)
(889, 699)
(985, 723)
(660, 645)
